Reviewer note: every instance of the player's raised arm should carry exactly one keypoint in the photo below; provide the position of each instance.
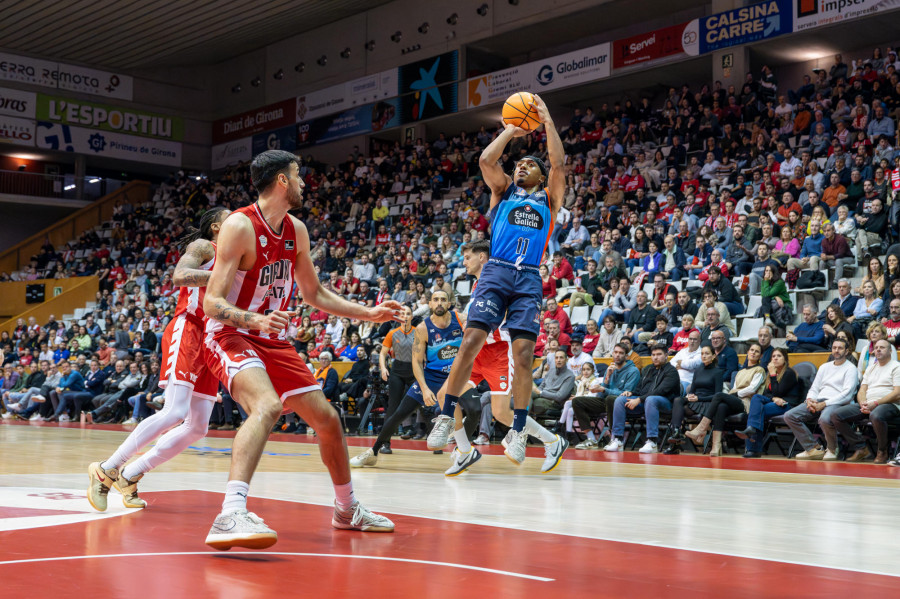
(236, 235)
(556, 179)
(187, 271)
(316, 295)
(493, 174)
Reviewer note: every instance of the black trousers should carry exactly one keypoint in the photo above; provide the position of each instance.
(470, 402)
(399, 382)
(721, 407)
(682, 407)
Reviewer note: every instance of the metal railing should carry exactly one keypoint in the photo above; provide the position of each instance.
(55, 186)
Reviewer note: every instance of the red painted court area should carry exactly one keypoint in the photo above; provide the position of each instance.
(159, 552)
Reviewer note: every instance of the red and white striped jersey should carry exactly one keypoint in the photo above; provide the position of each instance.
(268, 285)
(895, 179)
(190, 299)
(499, 335)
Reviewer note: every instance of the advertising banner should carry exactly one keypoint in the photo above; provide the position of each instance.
(16, 131)
(573, 68)
(280, 139)
(352, 93)
(816, 13)
(232, 152)
(108, 118)
(65, 76)
(356, 121)
(499, 85)
(14, 102)
(745, 25)
(65, 138)
(424, 88)
(648, 47)
(273, 116)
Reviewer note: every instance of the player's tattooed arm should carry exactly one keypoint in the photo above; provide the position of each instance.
(187, 271)
(228, 314)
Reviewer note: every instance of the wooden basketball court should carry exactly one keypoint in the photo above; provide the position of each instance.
(600, 524)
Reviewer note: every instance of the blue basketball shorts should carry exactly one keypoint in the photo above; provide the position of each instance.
(506, 292)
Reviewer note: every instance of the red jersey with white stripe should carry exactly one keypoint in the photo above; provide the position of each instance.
(268, 285)
(895, 179)
(190, 299)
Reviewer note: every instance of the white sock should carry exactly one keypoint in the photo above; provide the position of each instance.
(462, 441)
(536, 430)
(343, 495)
(235, 496)
(591, 436)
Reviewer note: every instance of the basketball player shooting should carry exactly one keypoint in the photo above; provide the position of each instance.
(262, 251)
(522, 213)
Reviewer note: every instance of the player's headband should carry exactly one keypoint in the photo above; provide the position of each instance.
(540, 163)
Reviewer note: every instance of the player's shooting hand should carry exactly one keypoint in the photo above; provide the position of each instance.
(429, 397)
(543, 112)
(274, 322)
(517, 131)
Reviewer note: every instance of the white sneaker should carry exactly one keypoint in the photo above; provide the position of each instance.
(482, 439)
(508, 438)
(7, 415)
(588, 444)
(440, 434)
(34, 417)
(14, 407)
(366, 458)
(830, 456)
(38, 398)
(811, 454)
(130, 421)
(64, 418)
(461, 461)
(554, 452)
(515, 449)
(614, 445)
(359, 518)
(240, 529)
(649, 447)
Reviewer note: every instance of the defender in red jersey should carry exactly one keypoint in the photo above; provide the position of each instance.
(494, 364)
(262, 252)
(190, 386)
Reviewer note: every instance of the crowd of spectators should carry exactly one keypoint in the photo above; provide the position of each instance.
(679, 210)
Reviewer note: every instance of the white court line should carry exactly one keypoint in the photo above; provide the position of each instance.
(210, 553)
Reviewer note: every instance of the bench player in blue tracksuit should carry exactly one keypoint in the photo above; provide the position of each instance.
(522, 214)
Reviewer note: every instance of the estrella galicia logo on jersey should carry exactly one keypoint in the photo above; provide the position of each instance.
(289, 244)
(448, 352)
(524, 216)
(545, 75)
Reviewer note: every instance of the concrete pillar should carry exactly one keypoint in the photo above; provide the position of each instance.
(730, 65)
(80, 170)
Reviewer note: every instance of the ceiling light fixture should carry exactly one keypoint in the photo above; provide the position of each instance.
(256, 81)
(279, 74)
(345, 53)
(236, 88)
(423, 28)
(322, 61)
(453, 19)
(396, 37)
(370, 45)
(482, 10)
(300, 67)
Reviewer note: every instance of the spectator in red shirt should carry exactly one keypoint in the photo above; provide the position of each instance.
(548, 282)
(784, 210)
(562, 269)
(555, 312)
(552, 332)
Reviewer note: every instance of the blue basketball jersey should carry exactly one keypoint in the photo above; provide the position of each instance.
(521, 224)
(443, 344)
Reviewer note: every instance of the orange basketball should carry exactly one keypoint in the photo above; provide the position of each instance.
(518, 111)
